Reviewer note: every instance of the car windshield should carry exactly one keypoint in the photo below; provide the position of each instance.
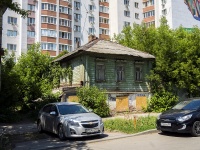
(188, 105)
(71, 109)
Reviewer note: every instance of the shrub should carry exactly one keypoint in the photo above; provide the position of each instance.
(161, 101)
(95, 99)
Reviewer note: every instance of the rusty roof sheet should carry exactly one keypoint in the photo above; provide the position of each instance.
(107, 47)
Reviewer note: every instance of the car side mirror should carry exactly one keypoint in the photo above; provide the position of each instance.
(53, 113)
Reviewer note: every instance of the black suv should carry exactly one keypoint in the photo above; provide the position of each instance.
(184, 117)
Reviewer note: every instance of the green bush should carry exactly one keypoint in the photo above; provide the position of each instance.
(95, 99)
(129, 126)
(161, 101)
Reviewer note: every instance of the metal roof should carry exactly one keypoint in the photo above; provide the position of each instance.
(107, 47)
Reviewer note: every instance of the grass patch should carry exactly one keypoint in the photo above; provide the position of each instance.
(130, 126)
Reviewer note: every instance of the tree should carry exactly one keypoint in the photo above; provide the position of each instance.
(177, 55)
(4, 5)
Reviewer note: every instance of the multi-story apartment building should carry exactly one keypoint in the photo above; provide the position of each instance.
(65, 24)
(148, 12)
(178, 12)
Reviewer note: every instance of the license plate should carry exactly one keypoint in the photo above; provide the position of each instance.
(91, 130)
(166, 124)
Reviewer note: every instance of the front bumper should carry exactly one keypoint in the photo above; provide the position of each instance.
(174, 126)
(73, 131)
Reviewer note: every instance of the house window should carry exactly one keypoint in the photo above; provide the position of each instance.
(164, 11)
(47, 19)
(120, 73)
(138, 73)
(126, 2)
(11, 47)
(50, 7)
(103, 31)
(48, 46)
(136, 16)
(12, 20)
(136, 5)
(64, 22)
(65, 10)
(77, 17)
(100, 71)
(47, 32)
(64, 47)
(126, 13)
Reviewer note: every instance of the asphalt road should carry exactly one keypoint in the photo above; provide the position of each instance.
(153, 141)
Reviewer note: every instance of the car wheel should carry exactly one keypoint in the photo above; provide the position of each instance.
(39, 127)
(61, 134)
(196, 128)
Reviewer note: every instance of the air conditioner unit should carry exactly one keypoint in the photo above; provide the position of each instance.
(77, 8)
(163, 6)
(69, 4)
(92, 22)
(76, 19)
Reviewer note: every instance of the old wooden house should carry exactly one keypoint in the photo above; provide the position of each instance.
(120, 70)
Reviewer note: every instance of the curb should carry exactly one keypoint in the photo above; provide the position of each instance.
(105, 139)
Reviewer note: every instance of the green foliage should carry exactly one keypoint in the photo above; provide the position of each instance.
(177, 55)
(129, 125)
(95, 99)
(161, 101)
(32, 77)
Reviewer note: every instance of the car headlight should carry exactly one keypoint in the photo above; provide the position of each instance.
(184, 118)
(73, 123)
(100, 121)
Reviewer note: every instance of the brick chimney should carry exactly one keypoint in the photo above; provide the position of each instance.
(91, 38)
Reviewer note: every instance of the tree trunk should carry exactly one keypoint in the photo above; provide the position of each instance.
(1, 24)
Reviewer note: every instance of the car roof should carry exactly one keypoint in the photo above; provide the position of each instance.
(65, 103)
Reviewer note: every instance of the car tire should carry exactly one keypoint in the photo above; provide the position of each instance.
(196, 128)
(61, 133)
(39, 127)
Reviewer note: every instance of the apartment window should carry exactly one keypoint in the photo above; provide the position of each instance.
(136, 5)
(47, 32)
(91, 19)
(103, 9)
(12, 47)
(47, 19)
(149, 14)
(152, 2)
(120, 73)
(31, 33)
(136, 16)
(103, 31)
(47, 6)
(164, 11)
(138, 73)
(64, 22)
(77, 5)
(77, 41)
(77, 28)
(65, 10)
(91, 7)
(12, 20)
(65, 35)
(148, 24)
(11, 33)
(91, 31)
(77, 17)
(145, 4)
(100, 71)
(126, 2)
(164, 1)
(63, 47)
(30, 21)
(104, 0)
(48, 46)
(126, 23)
(31, 7)
(126, 13)
(103, 20)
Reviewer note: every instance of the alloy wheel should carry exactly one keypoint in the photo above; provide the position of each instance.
(196, 128)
